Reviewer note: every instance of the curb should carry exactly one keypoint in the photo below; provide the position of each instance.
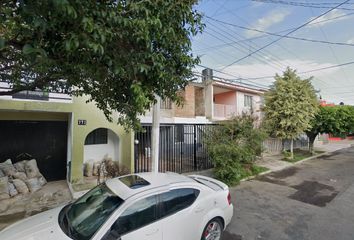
(285, 167)
(312, 157)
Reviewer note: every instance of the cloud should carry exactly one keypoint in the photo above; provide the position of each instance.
(257, 4)
(272, 18)
(351, 41)
(256, 70)
(331, 17)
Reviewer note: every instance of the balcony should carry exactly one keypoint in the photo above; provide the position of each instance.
(223, 111)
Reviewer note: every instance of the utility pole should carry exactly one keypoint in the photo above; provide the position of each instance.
(155, 134)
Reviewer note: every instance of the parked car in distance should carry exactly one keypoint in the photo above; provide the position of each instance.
(144, 206)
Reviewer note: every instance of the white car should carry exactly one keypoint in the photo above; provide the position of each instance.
(144, 206)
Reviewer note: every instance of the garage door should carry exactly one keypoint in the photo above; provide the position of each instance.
(46, 141)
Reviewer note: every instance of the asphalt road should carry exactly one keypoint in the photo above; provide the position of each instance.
(313, 200)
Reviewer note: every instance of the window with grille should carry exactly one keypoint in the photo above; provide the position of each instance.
(248, 101)
(98, 136)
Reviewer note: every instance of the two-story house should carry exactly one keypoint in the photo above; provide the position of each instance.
(210, 100)
(184, 127)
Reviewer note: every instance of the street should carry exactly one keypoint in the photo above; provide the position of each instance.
(312, 200)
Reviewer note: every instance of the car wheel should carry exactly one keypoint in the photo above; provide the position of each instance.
(213, 230)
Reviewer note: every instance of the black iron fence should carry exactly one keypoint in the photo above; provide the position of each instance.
(181, 148)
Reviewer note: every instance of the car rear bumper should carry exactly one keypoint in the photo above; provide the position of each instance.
(229, 212)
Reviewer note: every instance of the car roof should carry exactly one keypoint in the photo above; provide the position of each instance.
(154, 180)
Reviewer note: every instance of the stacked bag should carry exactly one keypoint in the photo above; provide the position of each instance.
(19, 178)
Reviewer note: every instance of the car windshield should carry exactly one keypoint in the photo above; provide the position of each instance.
(81, 219)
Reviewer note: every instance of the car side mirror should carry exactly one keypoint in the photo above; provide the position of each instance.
(111, 235)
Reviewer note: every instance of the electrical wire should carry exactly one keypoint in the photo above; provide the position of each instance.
(299, 4)
(278, 39)
(285, 30)
(279, 35)
(236, 77)
(243, 48)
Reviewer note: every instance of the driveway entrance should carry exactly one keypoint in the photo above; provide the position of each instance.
(45, 141)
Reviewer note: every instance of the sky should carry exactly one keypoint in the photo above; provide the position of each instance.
(227, 46)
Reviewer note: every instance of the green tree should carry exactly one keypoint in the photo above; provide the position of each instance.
(119, 53)
(337, 120)
(290, 105)
(233, 146)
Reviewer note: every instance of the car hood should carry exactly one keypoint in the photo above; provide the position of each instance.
(43, 226)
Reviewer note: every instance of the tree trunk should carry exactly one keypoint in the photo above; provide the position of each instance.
(292, 149)
(312, 138)
(283, 145)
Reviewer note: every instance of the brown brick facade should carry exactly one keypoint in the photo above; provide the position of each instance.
(199, 101)
(187, 109)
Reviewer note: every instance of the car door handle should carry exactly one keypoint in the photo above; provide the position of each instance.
(198, 210)
(152, 232)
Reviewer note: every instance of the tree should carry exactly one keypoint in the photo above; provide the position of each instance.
(119, 53)
(338, 120)
(290, 105)
(233, 146)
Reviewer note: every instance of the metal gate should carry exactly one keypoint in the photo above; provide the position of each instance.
(181, 148)
(46, 141)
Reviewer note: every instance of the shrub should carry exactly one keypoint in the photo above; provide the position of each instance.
(233, 147)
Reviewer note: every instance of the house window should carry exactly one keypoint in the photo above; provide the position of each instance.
(248, 101)
(166, 104)
(98, 136)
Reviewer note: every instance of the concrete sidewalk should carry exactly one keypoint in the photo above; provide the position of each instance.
(275, 162)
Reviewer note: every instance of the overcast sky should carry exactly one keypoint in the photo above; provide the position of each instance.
(225, 41)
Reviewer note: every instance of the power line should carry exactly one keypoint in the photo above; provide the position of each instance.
(325, 68)
(299, 4)
(237, 78)
(279, 35)
(232, 81)
(250, 44)
(276, 43)
(275, 65)
(331, 48)
(304, 72)
(285, 30)
(278, 39)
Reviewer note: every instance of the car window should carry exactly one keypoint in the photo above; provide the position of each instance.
(140, 214)
(81, 219)
(177, 199)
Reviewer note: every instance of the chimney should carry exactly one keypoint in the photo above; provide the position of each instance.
(207, 74)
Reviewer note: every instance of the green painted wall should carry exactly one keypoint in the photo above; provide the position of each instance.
(71, 112)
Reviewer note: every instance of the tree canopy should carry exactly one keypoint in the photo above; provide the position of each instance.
(337, 120)
(119, 53)
(290, 105)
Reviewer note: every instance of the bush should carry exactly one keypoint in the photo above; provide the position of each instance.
(233, 147)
